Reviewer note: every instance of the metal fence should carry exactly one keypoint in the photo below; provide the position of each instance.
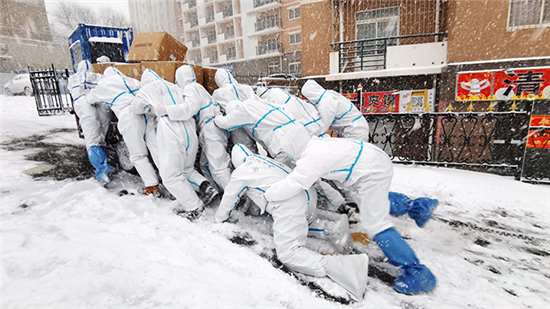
(50, 90)
(362, 55)
(499, 142)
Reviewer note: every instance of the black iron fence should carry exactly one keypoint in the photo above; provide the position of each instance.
(50, 90)
(500, 142)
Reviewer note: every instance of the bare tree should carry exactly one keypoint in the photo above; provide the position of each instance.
(69, 14)
(109, 17)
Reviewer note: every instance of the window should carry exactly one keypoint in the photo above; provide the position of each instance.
(294, 13)
(231, 53)
(295, 38)
(273, 67)
(295, 67)
(229, 32)
(214, 56)
(528, 14)
(272, 44)
(378, 23)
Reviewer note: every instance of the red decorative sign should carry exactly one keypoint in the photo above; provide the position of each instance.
(540, 140)
(540, 121)
(512, 84)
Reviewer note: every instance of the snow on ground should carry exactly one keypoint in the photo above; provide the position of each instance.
(74, 244)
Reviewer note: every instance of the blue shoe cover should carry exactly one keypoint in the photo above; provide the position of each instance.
(98, 158)
(414, 280)
(415, 276)
(400, 204)
(422, 209)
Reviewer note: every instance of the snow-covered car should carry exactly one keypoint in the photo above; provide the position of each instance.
(279, 79)
(20, 84)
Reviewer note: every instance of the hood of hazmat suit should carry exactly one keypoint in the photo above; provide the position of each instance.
(185, 75)
(83, 80)
(115, 90)
(224, 77)
(262, 92)
(110, 71)
(148, 76)
(313, 91)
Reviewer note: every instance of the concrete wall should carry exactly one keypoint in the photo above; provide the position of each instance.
(23, 53)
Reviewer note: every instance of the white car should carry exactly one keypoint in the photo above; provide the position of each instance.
(20, 84)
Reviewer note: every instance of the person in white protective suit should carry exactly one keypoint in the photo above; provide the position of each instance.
(367, 172)
(117, 91)
(253, 175)
(305, 112)
(94, 119)
(175, 148)
(265, 122)
(337, 112)
(213, 140)
(230, 90)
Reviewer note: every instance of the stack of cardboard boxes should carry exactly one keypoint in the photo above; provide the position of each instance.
(161, 53)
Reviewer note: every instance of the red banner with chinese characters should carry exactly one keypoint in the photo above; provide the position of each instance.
(540, 121)
(380, 102)
(511, 84)
(540, 140)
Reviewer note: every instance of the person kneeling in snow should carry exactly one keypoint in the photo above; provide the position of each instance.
(175, 148)
(252, 176)
(117, 91)
(367, 172)
(94, 119)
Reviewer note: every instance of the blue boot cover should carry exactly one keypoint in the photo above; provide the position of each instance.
(422, 209)
(415, 277)
(98, 158)
(399, 204)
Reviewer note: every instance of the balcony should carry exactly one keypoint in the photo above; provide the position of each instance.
(260, 3)
(377, 57)
(265, 49)
(267, 24)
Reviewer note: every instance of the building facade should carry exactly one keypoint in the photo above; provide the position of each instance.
(153, 15)
(25, 38)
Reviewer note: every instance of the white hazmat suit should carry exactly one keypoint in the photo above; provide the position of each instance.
(118, 91)
(176, 140)
(337, 113)
(230, 90)
(253, 175)
(213, 140)
(94, 119)
(305, 112)
(367, 171)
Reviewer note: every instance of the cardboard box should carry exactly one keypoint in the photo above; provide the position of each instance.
(132, 70)
(156, 46)
(100, 67)
(167, 69)
(209, 81)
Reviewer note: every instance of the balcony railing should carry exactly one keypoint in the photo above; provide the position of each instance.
(192, 3)
(267, 24)
(211, 39)
(194, 23)
(258, 3)
(264, 49)
(371, 54)
(196, 43)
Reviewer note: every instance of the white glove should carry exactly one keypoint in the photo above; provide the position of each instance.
(159, 110)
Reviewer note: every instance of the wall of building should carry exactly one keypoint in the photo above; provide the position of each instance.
(26, 20)
(25, 52)
(316, 37)
(478, 31)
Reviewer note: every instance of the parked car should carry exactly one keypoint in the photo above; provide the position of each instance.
(20, 84)
(279, 79)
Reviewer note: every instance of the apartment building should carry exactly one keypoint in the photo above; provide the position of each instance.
(153, 15)
(25, 38)
(251, 38)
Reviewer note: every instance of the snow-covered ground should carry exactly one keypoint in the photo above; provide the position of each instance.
(74, 244)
